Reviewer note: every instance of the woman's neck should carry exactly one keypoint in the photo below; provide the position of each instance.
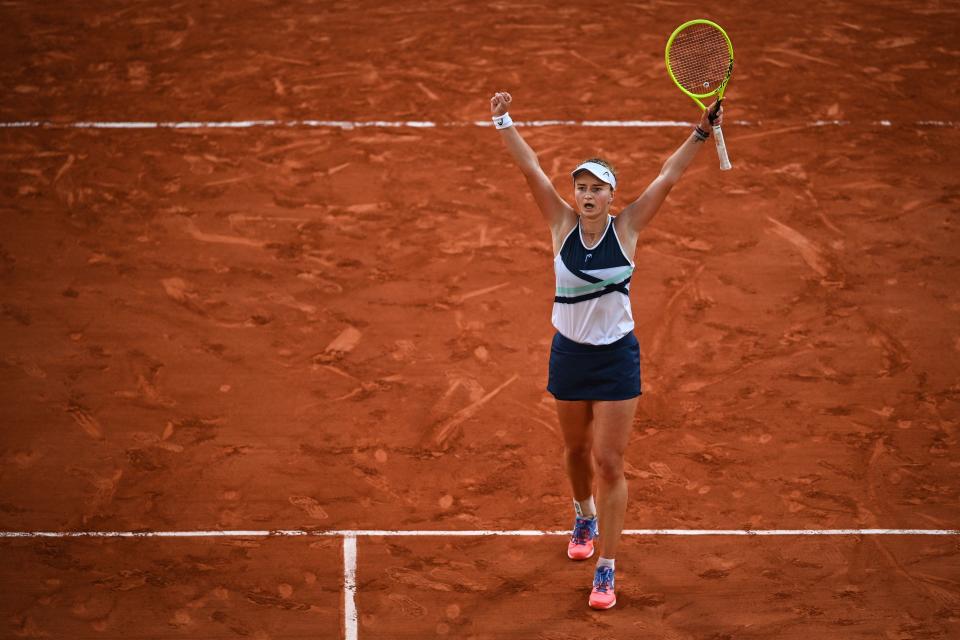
(593, 226)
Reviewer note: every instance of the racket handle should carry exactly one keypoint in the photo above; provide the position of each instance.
(721, 148)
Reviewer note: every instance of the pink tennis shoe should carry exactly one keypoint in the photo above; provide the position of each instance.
(580, 546)
(602, 596)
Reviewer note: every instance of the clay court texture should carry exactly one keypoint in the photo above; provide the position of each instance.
(270, 281)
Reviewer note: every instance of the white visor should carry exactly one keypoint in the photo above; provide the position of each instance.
(599, 171)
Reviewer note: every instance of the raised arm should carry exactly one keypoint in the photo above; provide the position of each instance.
(558, 214)
(640, 212)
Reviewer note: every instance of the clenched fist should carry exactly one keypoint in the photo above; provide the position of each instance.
(499, 103)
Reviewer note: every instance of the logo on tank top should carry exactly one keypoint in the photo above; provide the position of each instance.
(587, 258)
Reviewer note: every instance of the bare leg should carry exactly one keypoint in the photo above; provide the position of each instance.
(575, 418)
(613, 423)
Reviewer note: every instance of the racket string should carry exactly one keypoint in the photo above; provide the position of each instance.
(700, 58)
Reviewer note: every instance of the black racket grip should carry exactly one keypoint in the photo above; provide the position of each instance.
(712, 116)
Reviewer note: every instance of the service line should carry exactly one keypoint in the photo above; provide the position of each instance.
(350, 616)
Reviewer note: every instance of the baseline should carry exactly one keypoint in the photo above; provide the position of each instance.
(362, 533)
(427, 124)
(350, 610)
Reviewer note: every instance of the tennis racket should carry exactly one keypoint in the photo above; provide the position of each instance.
(699, 58)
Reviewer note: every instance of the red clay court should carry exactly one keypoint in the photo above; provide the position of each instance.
(276, 306)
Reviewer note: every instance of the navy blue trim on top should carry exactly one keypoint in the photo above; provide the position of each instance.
(607, 254)
(610, 288)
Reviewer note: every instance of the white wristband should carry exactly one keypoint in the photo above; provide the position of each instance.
(502, 122)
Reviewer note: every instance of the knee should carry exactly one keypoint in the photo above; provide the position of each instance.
(609, 466)
(577, 452)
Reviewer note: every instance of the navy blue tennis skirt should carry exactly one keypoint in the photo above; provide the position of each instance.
(594, 372)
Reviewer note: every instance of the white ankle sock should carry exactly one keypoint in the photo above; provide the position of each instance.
(585, 508)
(606, 562)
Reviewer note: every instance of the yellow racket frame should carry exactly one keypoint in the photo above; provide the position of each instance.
(723, 85)
(717, 131)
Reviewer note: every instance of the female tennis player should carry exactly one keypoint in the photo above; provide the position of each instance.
(595, 358)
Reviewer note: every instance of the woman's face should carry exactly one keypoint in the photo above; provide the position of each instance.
(593, 195)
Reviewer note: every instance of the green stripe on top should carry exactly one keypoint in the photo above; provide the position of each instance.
(590, 288)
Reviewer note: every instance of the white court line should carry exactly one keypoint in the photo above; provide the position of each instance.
(423, 124)
(350, 616)
(350, 611)
(367, 533)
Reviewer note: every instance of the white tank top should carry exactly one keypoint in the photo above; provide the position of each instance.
(592, 305)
